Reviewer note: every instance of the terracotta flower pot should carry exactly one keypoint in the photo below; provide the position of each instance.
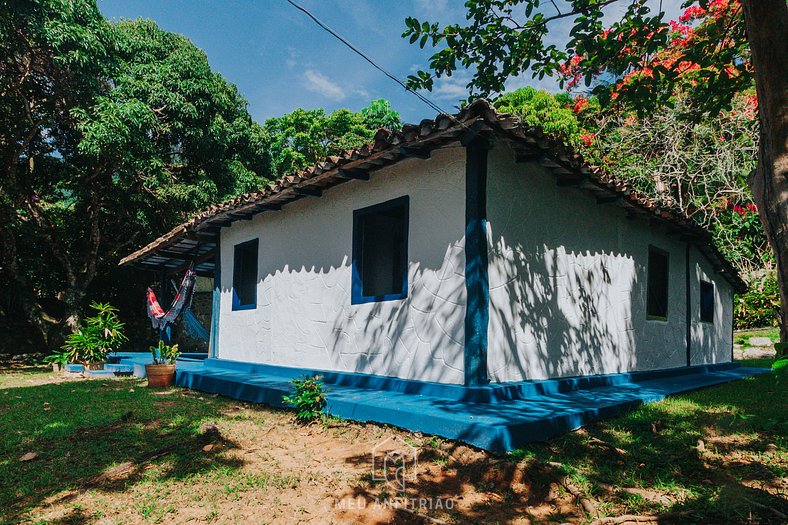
(160, 376)
(94, 366)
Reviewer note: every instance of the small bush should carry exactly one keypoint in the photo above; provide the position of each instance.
(759, 307)
(309, 398)
(96, 337)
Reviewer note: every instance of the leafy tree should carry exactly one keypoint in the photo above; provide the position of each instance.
(108, 135)
(380, 115)
(306, 136)
(640, 60)
(540, 108)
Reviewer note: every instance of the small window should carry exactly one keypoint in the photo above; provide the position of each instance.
(657, 306)
(706, 302)
(380, 252)
(245, 276)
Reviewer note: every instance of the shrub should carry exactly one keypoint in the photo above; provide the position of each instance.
(309, 398)
(96, 337)
(760, 306)
(59, 357)
(165, 354)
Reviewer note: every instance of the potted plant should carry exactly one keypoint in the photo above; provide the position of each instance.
(161, 373)
(95, 338)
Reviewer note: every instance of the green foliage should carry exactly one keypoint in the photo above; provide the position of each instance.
(540, 108)
(306, 136)
(309, 398)
(96, 337)
(109, 134)
(380, 115)
(501, 39)
(760, 305)
(60, 357)
(165, 354)
(739, 234)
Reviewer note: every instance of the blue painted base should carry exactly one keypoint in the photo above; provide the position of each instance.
(119, 368)
(134, 363)
(100, 373)
(498, 417)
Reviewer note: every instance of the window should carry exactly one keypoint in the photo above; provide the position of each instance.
(657, 302)
(706, 302)
(380, 252)
(245, 276)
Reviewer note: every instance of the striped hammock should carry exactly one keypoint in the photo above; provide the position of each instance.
(161, 319)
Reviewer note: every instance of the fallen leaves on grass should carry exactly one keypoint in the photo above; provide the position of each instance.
(30, 456)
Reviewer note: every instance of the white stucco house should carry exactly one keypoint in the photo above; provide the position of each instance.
(465, 250)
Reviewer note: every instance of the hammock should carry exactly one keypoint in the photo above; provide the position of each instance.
(194, 327)
(161, 319)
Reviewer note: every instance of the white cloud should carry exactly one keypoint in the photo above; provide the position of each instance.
(323, 85)
(361, 92)
(451, 88)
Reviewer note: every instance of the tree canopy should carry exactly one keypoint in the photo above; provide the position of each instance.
(110, 133)
(306, 136)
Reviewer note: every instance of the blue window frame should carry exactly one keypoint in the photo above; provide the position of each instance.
(245, 275)
(380, 252)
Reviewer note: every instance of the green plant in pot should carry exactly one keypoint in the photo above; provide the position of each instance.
(161, 373)
(94, 339)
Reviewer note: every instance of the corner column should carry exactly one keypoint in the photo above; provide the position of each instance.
(477, 286)
(216, 300)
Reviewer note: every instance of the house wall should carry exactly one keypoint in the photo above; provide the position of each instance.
(711, 342)
(567, 281)
(304, 317)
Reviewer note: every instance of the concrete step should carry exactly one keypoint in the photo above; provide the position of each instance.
(119, 368)
(100, 373)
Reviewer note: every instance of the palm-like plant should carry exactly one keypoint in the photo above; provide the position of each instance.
(97, 337)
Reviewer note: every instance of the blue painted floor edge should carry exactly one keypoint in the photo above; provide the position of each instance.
(498, 426)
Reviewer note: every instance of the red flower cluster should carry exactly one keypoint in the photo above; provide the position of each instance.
(587, 139)
(695, 26)
(744, 210)
(692, 13)
(581, 103)
(570, 70)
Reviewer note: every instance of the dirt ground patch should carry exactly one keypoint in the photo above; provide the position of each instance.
(113, 451)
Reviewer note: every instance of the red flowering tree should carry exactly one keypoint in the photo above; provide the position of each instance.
(641, 60)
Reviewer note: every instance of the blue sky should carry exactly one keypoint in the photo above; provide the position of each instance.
(280, 60)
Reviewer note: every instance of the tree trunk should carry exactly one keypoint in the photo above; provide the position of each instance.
(766, 22)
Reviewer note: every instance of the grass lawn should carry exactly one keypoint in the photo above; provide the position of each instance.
(743, 337)
(113, 451)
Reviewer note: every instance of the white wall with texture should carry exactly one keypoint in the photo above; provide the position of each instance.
(304, 317)
(568, 284)
(711, 342)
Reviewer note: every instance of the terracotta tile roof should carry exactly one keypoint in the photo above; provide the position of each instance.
(188, 241)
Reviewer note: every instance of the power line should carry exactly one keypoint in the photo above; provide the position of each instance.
(333, 33)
